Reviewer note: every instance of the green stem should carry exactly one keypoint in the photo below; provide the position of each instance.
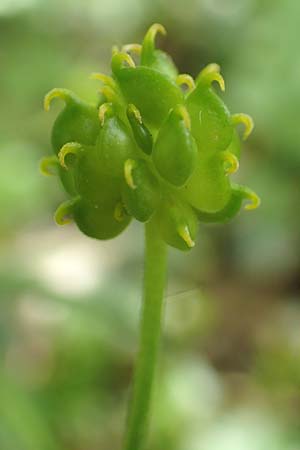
(154, 283)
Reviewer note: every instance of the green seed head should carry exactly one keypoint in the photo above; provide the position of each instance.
(149, 149)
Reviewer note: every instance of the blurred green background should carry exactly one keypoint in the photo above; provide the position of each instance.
(229, 373)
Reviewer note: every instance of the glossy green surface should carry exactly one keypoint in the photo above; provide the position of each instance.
(142, 201)
(175, 150)
(99, 220)
(150, 149)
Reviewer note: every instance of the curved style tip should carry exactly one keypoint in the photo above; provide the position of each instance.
(253, 198)
(246, 120)
(104, 78)
(231, 162)
(153, 30)
(184, 233)
(182, 112)
(109, 94)
(127, 59)
(132, 48)
(47, 163)
(63, 214)
(187, 80)
(105, 110)
(129, 165)
(119, 212)
(69, 147)
(148, 47)
(142, 135)
(215, 76)
(64, 94)
(132, 110)
(221, 82)
(210, 68)
(209, 74)
(118, 60)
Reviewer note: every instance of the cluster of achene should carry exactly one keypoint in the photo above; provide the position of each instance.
(158, 145)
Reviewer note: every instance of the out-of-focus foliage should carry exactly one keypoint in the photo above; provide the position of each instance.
(229, 375)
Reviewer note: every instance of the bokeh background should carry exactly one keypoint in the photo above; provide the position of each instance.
(229, 372)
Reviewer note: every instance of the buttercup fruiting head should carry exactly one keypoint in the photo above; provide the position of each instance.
(160, 146)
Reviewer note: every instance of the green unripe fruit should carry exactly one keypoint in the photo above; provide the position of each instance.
(178, 223)
(93, 183)
(90, 180)
(210, 118)
(208, 189)
(114, 144)
(98, 170)
(238, 195)
(77, 122)
(152, 92)
(228, 212)
(150, 150)
(175, 150)
(141, 190)
(100, 221)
